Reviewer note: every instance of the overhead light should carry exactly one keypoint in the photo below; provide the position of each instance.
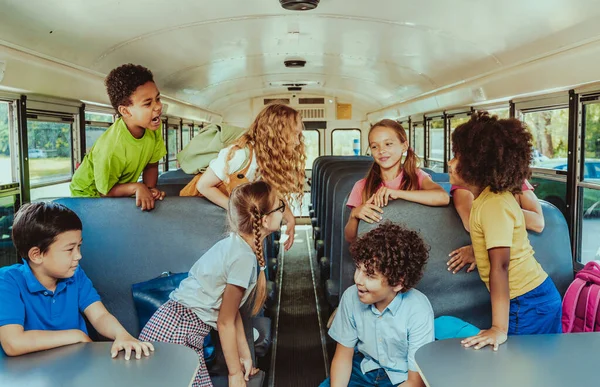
(294, 63)
(299, 5)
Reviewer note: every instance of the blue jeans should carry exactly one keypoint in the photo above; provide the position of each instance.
(536, 312)
(376, 378)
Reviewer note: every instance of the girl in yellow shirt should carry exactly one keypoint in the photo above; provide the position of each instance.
(491, 160)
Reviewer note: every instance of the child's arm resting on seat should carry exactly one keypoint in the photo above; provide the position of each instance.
(16, 341)
(207, 186)
(430, 194)
(107, 325)
(244, 349)
(226, 326)
(500, 294)
(341, 366)
(532, 211)
(463, 201)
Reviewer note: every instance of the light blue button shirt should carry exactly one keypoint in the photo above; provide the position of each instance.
(387, 339)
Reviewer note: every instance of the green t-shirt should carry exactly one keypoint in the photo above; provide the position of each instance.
(116, 158)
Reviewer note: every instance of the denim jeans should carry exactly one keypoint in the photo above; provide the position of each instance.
(376, 377)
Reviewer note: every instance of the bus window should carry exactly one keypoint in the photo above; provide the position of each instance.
(7, 151)
(549, 129)
(436, 146)
(419, 145)
(454, 123)
(50, 156)
(185, 136)
(343, 142)
(95, 125)
(502, 113)
(312, 145)
(173, 140)
(589, 210)
(8, 203)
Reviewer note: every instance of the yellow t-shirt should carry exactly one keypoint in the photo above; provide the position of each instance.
(498, 221)
(116, 158)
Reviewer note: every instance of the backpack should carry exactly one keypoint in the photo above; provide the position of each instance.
(205, 146)
(148, 296)
(581, 301)
(235, 178)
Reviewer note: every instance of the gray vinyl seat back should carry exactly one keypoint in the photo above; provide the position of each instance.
(335, 231)
(319, 176)
(464, 295)
(329, 179)
(333, 286)
(171, 189)
(337, 173)
(176, 176)
(317, 169)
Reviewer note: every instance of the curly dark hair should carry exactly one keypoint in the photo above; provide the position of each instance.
(399, 254)
(123, 81)
(492, 152)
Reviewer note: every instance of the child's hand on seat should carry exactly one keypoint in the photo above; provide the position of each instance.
(249, 369)
(460, 258)
(384, 195)
(144, 198)
(492, 336)
(157, 194)
(369, 212)
(128, 343)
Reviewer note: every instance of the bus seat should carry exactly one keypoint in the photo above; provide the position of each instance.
(170, 189)
(176, 176)
(463, 294)
(440, 177)
(123, 245)
(346, 179)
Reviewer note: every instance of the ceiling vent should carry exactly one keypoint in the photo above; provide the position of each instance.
(294, 63)
(299, 5)
(299, 83)
(294, 88)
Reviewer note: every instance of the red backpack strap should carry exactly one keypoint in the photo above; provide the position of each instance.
(570, 304)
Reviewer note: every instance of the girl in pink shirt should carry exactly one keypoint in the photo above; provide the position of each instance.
(389, 178)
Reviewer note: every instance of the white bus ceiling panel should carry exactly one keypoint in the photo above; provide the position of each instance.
(392, 53)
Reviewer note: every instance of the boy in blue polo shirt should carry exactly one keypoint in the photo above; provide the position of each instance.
(381, 320)
(41, 301)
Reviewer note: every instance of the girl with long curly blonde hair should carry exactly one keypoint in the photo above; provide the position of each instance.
(271, 150)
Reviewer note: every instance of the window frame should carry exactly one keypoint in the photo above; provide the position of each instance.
(346, 129)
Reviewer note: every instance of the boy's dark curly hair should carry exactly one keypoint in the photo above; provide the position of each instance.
(123, 81)
(493, 152)
(396, 252)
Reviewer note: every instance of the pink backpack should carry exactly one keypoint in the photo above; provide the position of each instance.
(580, 305)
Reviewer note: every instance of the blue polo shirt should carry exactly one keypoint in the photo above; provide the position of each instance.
(25, 301)
(387, 339)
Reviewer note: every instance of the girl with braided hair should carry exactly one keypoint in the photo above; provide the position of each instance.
(220, 282)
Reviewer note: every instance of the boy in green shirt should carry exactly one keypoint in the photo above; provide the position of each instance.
(133, 145)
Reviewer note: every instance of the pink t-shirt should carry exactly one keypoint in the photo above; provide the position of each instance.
(355, 198)
(525, 187)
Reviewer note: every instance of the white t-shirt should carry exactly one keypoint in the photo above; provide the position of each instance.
(236, 163)
(230, 261)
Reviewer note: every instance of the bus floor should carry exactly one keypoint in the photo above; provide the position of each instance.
(299, 354)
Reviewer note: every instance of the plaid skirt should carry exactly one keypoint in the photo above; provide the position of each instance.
(175, 323)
